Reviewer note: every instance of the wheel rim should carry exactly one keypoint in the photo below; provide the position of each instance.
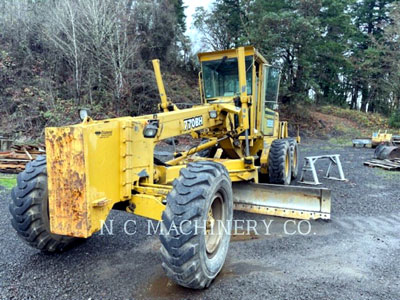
(214, 223)
(287, 164)
(294, 158)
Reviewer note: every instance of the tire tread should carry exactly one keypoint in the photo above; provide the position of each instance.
(276, 162)
(26, 209)
(180, 253)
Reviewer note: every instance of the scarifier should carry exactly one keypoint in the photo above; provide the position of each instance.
(99, 165)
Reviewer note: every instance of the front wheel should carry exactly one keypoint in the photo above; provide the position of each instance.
(196, 227)
(29, 210)
(279, 162)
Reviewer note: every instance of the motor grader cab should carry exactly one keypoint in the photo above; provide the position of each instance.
(220, 81)
(99, 165)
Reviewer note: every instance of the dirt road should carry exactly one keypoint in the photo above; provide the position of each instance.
(356, 255)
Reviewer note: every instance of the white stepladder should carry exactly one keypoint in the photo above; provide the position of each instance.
(310, 166)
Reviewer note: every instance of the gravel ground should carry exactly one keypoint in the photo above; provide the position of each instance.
(353, 256)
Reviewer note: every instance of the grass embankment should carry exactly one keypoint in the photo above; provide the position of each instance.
(8, 181)
(369, 121)
(356, 124)
(338, 125)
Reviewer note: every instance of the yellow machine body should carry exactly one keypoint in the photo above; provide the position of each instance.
(96, 166)
(381, 137)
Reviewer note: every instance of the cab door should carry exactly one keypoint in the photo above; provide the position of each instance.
(269, 98)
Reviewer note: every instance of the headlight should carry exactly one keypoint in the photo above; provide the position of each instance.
(213, 114)
(150, 130)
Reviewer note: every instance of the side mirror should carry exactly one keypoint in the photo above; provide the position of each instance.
(84, 113)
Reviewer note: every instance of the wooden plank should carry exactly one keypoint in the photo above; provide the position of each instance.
(385, 162)
(8, 166)
(15, 160)
(376, 163)
(382, 164)
(28, 154)
(17, 156)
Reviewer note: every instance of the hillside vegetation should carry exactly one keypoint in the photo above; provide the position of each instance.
(332, 122)
(59, 56)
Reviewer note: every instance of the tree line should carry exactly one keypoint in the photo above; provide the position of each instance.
(342, 52)
(57, 56)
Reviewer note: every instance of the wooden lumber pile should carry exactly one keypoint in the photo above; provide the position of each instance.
(14, 160)
(393, 164)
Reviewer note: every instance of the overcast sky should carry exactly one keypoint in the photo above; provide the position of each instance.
(189, 11)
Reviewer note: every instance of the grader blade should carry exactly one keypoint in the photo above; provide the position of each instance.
(283, 200)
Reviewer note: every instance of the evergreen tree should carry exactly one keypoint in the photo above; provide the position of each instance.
(287, 33)
(371, 17)
(180, 14)
(332, 48)
(222, 28)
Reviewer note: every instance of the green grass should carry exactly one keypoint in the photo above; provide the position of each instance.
(346, 130)
(8, 181)
(345, 136)
(387, 174)
(365, 120)
(329, 146)
(341, 141)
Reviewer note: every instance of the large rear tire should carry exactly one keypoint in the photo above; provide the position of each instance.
(29, 210)
(279, 162)
(196, 227)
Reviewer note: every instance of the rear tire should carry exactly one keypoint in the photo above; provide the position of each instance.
(201, 201)
(209, 152)
(29, 210)
(279, 162)
(294, 157)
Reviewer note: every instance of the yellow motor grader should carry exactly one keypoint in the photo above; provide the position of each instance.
(245, 162)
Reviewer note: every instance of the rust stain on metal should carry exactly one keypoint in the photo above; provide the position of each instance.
(67, 181)
(282, 201)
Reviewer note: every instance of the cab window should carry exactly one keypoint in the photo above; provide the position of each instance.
(221, 77)
(271, 85)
